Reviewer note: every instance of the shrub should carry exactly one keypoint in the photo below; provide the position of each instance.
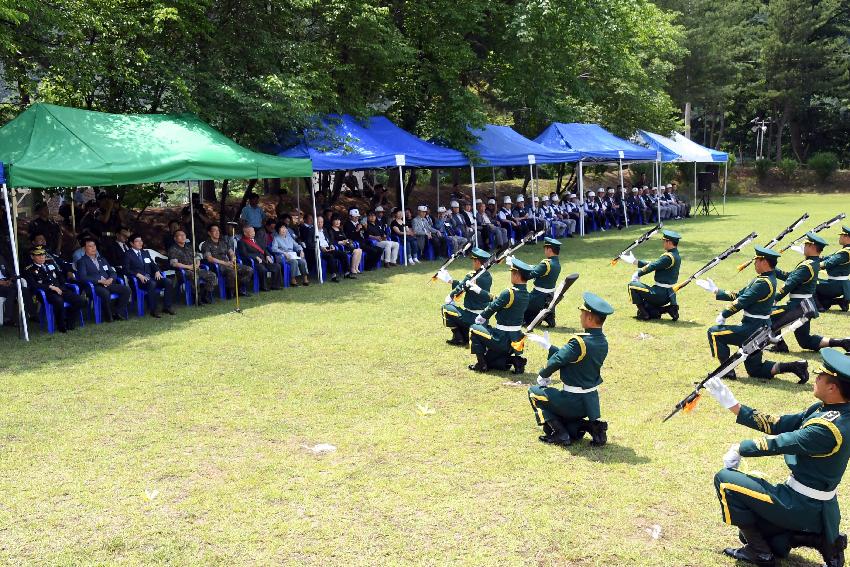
(824, 164)
(787, 167)
(762, 168)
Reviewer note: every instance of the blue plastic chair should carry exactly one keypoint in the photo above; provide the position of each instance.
(239, 260)
(97, 304)
(139, 295)
(47, 316)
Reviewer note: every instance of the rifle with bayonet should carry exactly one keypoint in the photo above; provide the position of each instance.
(717, 259)
(777, 238)
(643, 238)
(452, 258)
(500, 257)
(822, 226)
(557, 296)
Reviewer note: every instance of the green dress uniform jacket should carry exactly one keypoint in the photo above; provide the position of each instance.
(837, 281)
(545, 276)
(812, 443)
(666, 269)
(800, 284)
(473, 303)
(756, 302)
(580, 363)
(509, 308)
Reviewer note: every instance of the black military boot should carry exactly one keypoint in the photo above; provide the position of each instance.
(642, 313)
(598, 433)
(555, 433)
(798, 367)
(654, 312)
(550, 319)
(673, 311)
(781, 346)
(843, 343)
(844, 304)
(755, 551)
(518, 363)
(457, 337)
(833, 555)
(481, 365)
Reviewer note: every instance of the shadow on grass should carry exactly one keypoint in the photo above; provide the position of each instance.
(610, 453)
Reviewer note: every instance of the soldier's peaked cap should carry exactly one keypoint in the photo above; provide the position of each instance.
(596, 304)
(815, 239)
(836, 363)
(671, 235)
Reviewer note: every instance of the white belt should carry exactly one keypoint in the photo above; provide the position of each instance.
(544, 290)
(667, 285)
(801, 296)
(479, 312)
(507, 328)
(577, 390)
(748, 314)
(801, 488)
(839, 278)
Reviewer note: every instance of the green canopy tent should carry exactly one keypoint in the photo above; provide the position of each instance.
(55, 146)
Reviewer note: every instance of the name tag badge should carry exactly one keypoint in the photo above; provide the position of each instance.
(147, 260)
(51, 267)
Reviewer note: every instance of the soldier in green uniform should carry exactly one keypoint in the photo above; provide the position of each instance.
(756, 302)
(800, 284)
(545, 276)
(835, 289)
(566, 415)
(493, 345)
(475, 299)
(652, 302)
(803, 511)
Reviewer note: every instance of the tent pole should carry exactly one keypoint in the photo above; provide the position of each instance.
(15, 216)
(438, 189)
(401, 191)
(13, 242)
(73, 214)
(533, 208)
(474, 207)
(317, 249)
(658, 189)
(494, 183)
(298, 195)
(581, 197)
(695, 184)
(195, 266)
(725, 177)
(623, 194)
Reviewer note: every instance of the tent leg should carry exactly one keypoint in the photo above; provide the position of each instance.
(298, 195)
(13, 242)
(695, 184)
(438, 189)
(533, 208)
(474, 220)
(401, 192)
(194, 243)
(494, 184)
(623, 195)
(73, 214)
(581, 197)
(316, 246)
(657, 176)
(725, 178)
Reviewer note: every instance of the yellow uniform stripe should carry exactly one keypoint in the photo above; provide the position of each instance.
(581, 345)
(511, 300)
(716, 334)
(724, 486)
(835, 433)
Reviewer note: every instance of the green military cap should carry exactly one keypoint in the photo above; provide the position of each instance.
(671, 235)
(479, 254)
(762, 252)
(38, 251)
(813, 238)
(516, 264)
(845, 230)
(835, 363)
(595, 304)
(551, 242)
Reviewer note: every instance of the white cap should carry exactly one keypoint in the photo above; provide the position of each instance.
(591, 194)
(601, 190)
(491, 201)
(520, 199)
(573, 196)
(646, 187)
(422, 208)
(441, 209)
(535, 198)
(610, 190)
(669, 186)
(545, 197)
(478, 201)
(379, 209)
(634, 189)
(454, 204)
(354, 212)
(555, 198)
(507, 200)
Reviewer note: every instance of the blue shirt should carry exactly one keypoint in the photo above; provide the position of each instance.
(253, 215)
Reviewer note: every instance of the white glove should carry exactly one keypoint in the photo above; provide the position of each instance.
(480, 320)
(721, 392)
(542, 341)
(444, 276)
(541, 381)
(798, 249)
(708, 285)
(449, 299)
(720, 319)
(473, 287)
(636, 276)
(628, 258)
(732, 458)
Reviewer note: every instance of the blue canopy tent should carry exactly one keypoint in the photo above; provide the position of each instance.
(678, 148)
(499, 146)
(593, 143)
(345, 142)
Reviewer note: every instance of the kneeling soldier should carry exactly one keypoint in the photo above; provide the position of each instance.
(835, 289)
(567, 414)
(476, 298)
(493, 344)
(545, 276)
(803, 511)
(652, 302)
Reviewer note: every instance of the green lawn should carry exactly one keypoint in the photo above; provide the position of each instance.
(187, 440)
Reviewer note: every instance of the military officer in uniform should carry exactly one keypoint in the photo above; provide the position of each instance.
(566, 415)
(545, 276)
(475, 299)
(756, 302)
(652, 302)
(835, 289)
(493, 344)
(47, 277)
(800, 284)
(803, 511)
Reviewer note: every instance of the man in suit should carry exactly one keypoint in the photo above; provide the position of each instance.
(46, 276)
(139, 264)
(269, 271)
(115, 251)
(94, 269)
(9, 293)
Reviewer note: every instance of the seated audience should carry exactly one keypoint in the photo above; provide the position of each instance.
(270, 273)
(287, 250)
(94, 269)
(181, 256)
(139, 264)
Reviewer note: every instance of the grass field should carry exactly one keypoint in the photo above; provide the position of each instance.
(187, 440)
